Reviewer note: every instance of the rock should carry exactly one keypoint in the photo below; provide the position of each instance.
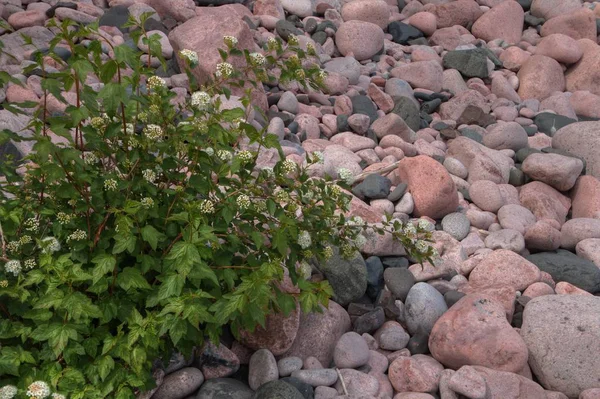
(504, 268)
(364, 105)
(562, 48)
(179, 384)
(508, 239)
(374, 276)
(319, 332)
(422, 74)
(516, 217)
(499, 383)
(345, 66)
(482, 163)
(417, 373)
(552, 8)
(456, 224)
(399, 281)
(509, 135)
(180, 10)
(224, 388)
(503, 21)
(539, 77)
(351, 351)
(456, 168)
(24, 19)
(426, 22)
(565, 266)
(277, 390)
(584, 75)
(376, 12)
(357, 383)
(589, 249)
(544, 201)
(468, 382)
(406, 109)
(579, 24)
(269, 7)
(277, 336)
(317, 377)
(217, 362)
(403, 33)
(301, 8)
(348, 278)
(557, 324)
(288, 102)
(373, 187)
(262, 368)
(581, 139)
(392, 337)
(288, 365)
(470, 63)
(393, 124)
(556, 170)
(486, 195)
(461, 12)
(475, 332)
(579, 229)
(424, 305)
(306, 390)
(456, 106)
(435, 199)
(362, 39)
(165, 46)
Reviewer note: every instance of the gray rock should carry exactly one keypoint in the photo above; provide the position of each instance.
(397, 88)
(262, 368)
(424, 305)
(180, 384)
(351, 351)
(457, 225)
(407, 110)
(317, 377)
(470, 63)
(566, 266)
(451, 297)
(374, 276)
(288, 102)
(550, 123)
(399, 281)
(374, 186)
(224, 388)
(286, 28)
(369, 321)
(398, 192)
(392, 337)
(288, 365)
(277, 390)
(346, 66)
(363, 105)
(306, 390)
(562, 334)
(418, 344)
(347, 277)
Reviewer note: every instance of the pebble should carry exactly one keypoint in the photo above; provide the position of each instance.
(262, 369)
(424, 305)
(351, 351)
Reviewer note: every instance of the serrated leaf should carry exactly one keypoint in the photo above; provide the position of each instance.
(138, 359)
(152, 236)
(105, 263)
(171, 286)
(131, 277)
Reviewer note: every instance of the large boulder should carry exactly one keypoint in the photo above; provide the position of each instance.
(544, 201)
(585, 74)
(562, 333)
(581, 139)
(277, 336)
(475, 331)
(586, 198)
(579, 24)
(347, 277)
(432, 188)
(179, 10)
(548, 9)
(503, 21)
(483, 163)
(539, 77)
(566, 266)
(504, 268)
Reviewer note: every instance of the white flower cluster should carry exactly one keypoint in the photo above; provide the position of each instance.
(422, 246)
(110, 184)
(426, 225)
(153, 132)
(304, 270)
(190, 56)
(25, 240)
(32, 224)
(129, 129)
(210, 151)
(77, 235)
(410, 230)
(288, 166)
(38, 390)
(327, 252)
(257, 59)
(3, 284)
(200, 100)
(224, 70)
(243, 202)
(310, 49)
(147, 202)
(156, 82)
(293, 40)
(318, 157)
(245, 156)
(149, 175)
(63, 218)
(304, 239)
(30, 264)
(206, 206)
(13, 246)
(89, 158)
(58, 396)
(321, 75)
(272, 43)
(346, 175)
(8, 392)
(98, 123)
(13, 266)
(355, 221)
(230, 41)
(224, 155)
(50, 245)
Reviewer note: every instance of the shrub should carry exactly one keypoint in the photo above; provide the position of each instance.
(151, 225)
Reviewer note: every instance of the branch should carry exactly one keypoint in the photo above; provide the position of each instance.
(381, 171)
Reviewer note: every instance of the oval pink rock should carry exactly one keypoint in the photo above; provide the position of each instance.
(504, 268)
(417, 373)
(539, 77)
(431, 186)
(580, 24)
(561, 47)
(503, 21)
(362, 39)
(374, 11)
(586, 197)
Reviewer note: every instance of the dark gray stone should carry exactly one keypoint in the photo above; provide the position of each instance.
(224, 388)
(451, 297)
(402, 33)
(320, 37)
(531, 20)
(473, 115)
(310, 26)
(373, 187)
(52, 10)
(398, 192)
(374, 276)
(523, 153)
(517, 177)
(566, 266)
(423, 306)
(549, 123)
(325, 25)
(407, 110)
(430, 107)
(277, 390)
(363, 105)
(394, 261)
(471, 134)
(526, 4)
(470, 63)
(399, 281)
(369, 321)
(531, 130)
(418, 343)
(342, 123)
(115, 16)
(307, 391)
(347, 277)
(286, 28)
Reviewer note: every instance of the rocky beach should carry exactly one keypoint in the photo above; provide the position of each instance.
(478, 120)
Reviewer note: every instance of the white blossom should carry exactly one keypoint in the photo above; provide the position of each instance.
(327, 252)
(110, 184)
(147, 202)
(77, 235)
(243, 201)
(63, 218)
(26, 239)
(210, 151)
(272, 43)
(30, 264)
(129, 128)
(304, 270)
(345, 175)
(410, 230)
(156, 82)
(230, 41)
(224, 69)
(153, 132)
(257, 59)
(293, 40)
(190, 56)
(426, 225)
(58, 396)
(149, 175)
(49, 245)
(89, 158)
(288, 166)
(32, 224)
(38, 390)
(3, 284)
(200, 99)
(422, 246)
(304, 239)
(206, 206)
(13, 266)
(360, 241)
(224, 155)
(8, 392)
(245, 156)
(13, 246)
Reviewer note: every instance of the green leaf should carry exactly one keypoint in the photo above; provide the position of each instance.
(108, 71)
(152, 236)
(59, 337)
(112, 95)
(9, 361)
(171, 286)
(105, 263)
(280, 242)
(183, 254)
(131, 277)
(178, 330)
(105, 366)
(138, 359)
(124, 242)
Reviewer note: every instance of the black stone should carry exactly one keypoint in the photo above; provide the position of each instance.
(370, 321)
(285, 117)
(52, 10)
(320, 37)
(359, 309)
(342, 123)
(549, 123)
(399, 281)
(293, 126)
(419, 343)
(517, 320)
(374, 276)
(471, 134)
(398, 192)
(405, 108)
(277, 390)
(394, 261)
(63, 53)
(430, 107)
(424, 120)
(566, 266)
(286, 28)
(523, 153)
(517, 177)
(423, 96)
(530, 130)
(388, 303)
(363, 105)
(530, 20)
(451, 297)
(401, 4)
(373, 187)
(224, 388)
(526, 4)
(307, 391)
(402, 33)
(172, 69)
(115, 16)
(310, 26)
(470, 63)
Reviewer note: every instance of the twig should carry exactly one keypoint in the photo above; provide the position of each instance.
(381, 171)
(342, 381)
(3, 242)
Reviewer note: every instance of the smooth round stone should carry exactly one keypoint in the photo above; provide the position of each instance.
(224, 388)
(451, 297)
(374, 276)
(418, 344)
(424, 305)
(277, 390)
(180, 384)
(351, 351)
(262, 368)
(399, 281)
(288, 365)
(317, 377)
(373, 187)
(457, 225)
(306, 390)
(398, 192)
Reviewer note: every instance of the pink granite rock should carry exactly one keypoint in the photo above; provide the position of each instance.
(514, 57)
(417, 373)
(509, 135)
(269, 7)
(539, 77)
(561, 47)
(362, 39)
(180, 10)
(422, 75)
(374, 11)
(503, 21)
(277, 336)
(538, 289)
(585, 103)
(483, 163)
(544, 201)
(583, 140)
(516, 217)
(548, 9)
(500, 384)
(579, 24)
(542, 236)
(576, 230)
(460, 12)
(585, 75)
(504, 268)
(24, 19)
(586, 198)
(564, 288)
(426, 22)
(486, 195)
(392, 124)
(556, 170)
